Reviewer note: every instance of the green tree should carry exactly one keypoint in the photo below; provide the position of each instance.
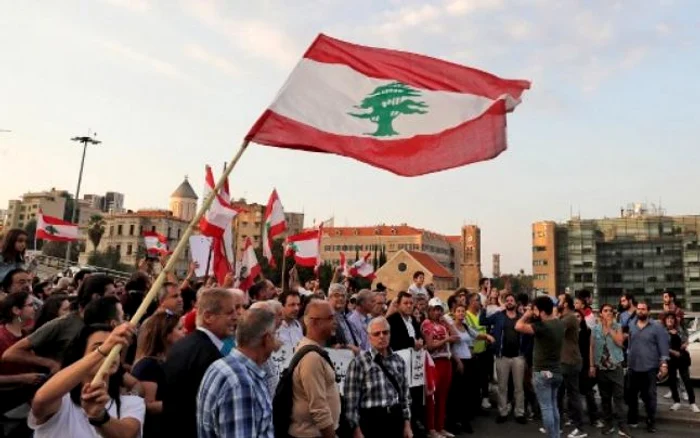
(30, 228)
(95, 231)
(109, 259)
(382, 258)
(58, 249)
(388, 102)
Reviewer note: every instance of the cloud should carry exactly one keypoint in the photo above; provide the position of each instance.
(154, 64)
(257, 38)
(140, 6)
(463, 7)
(199, 53)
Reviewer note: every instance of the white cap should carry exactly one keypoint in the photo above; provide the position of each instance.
(435, 302)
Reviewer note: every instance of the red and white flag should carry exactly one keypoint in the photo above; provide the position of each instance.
(403, 112)
(155, 242)
(344, 264)
(220, 214)
(275, 224)
(54, 229)
(306, 248)
(249, 268)
(363, 268)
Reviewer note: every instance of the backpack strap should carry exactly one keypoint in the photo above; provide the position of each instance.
(303, 351)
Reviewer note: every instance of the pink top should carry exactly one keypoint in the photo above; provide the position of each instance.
(437, 331)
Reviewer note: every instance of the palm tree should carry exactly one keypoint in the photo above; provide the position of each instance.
(96, 229)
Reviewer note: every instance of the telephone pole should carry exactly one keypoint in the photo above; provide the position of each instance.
(85, 140)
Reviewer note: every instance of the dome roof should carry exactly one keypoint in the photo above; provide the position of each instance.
(184, 191)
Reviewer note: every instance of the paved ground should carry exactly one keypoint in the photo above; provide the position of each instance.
(487, 427)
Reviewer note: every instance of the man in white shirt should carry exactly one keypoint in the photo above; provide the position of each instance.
(417, 287)
(290, 332)
(484, 289)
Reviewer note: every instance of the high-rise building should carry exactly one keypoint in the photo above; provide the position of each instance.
(249, 223)
(95, 201)
(52, 203)
(643, 252)
(471, 257)
(496, 265)
(114, 202)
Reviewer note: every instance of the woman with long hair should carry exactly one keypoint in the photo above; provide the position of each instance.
(679, 363)
(69, 405)
(438, 334)
(156, 336)
(54, 307)
(12, 250)
(17, 381)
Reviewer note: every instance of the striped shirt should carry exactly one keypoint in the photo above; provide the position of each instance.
(234, 400)
(366, 385)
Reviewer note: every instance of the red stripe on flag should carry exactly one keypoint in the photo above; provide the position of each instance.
(50, 220)
(304, 235)
(479, 139)
(413, 69)
(43, 235)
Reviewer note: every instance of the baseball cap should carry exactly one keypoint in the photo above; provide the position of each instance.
(435, 302)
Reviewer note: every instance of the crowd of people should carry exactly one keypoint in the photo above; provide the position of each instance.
(201, 362)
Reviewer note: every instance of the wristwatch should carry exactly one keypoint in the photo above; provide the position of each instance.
(101, 420)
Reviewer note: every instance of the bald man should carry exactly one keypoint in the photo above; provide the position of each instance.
(316, 401)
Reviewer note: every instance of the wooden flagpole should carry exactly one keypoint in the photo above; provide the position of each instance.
(181, 245)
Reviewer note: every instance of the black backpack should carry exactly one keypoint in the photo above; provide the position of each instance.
(283, 399)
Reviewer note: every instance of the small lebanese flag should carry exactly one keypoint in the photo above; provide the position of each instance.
(249, 267)
(220, 213)
(51, 228)
(275, 224)
(406, 113)
(306, 248)
(156, 243)
(363, 268)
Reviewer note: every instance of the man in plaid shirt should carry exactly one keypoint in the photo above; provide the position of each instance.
(234, 400)
(378, 401)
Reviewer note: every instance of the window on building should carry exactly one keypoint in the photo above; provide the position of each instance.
(140, 230)
(119, 230)
(539, 248)
(111, 230)
(119, 249)
(170, 229)
(327, 247)
(129, 249)
(179, 230)
(131, 229)
(21, 216)
(153, 228)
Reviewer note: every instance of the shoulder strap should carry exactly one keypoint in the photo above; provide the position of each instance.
(392, 380)
(303, 351)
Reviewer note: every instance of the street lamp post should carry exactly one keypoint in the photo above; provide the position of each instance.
(85, 140)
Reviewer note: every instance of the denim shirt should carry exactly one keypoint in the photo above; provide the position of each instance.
(647, 347)
(617, 355)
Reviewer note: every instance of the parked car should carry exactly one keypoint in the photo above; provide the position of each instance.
(694, 350)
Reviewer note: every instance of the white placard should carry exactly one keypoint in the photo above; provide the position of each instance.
(341, 360)
(415, 366)
(200, 247)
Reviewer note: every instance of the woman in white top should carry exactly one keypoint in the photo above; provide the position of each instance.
(68, 405)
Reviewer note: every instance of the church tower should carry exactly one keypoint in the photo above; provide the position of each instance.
(471, 258)
(183, 202)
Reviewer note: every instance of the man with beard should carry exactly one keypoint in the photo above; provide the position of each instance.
(628, 311)
(647, 352)
(571, 364)
(510, 357)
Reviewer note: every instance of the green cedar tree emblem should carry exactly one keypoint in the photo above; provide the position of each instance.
(388, 102)
(50, 229)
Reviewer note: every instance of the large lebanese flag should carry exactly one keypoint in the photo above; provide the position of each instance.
(363, 268)
(407, 113)
(275, 224)
(306, 248)
(51, 228)
(220, 214)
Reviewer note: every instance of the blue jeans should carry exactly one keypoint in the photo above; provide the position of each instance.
(547, 388)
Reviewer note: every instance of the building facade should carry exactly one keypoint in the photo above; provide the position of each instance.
(496, 265)
(471, 257)
(183, 202)
(643, 252)
(124, 232)
(249, 222)
(113, 202)
(51, 202)
(397, 273)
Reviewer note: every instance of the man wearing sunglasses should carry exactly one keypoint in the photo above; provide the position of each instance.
(376, 391)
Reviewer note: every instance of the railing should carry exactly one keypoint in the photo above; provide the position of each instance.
(61, 265)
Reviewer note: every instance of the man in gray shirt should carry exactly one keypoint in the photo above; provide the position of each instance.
(648, 351)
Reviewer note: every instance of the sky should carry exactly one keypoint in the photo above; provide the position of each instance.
(170, 86)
